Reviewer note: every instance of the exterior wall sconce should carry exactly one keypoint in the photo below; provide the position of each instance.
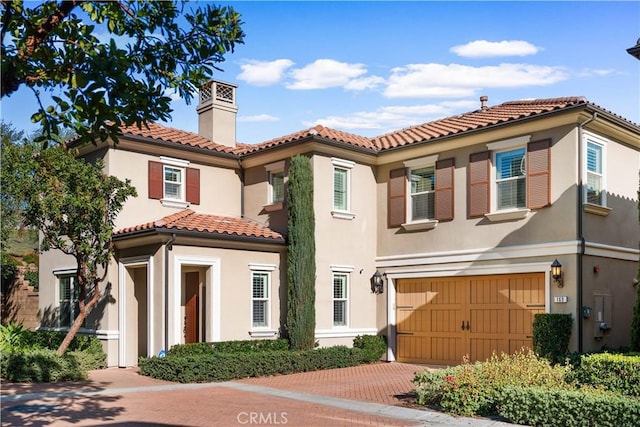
(556, 273)
(377, 283)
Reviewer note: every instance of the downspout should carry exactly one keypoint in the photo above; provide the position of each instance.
(167, 247)
(580, 229)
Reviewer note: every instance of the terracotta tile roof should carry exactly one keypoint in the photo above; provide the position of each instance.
(477, 119)
(169, 134)
(319, 131)
(188, 220)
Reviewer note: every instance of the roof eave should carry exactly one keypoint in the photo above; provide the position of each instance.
(199, 234)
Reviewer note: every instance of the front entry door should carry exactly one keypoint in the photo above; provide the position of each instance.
(191, 309)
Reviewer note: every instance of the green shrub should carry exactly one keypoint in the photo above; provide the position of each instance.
(53, 339)
(473, 389)
(245, 346)
(32, 277)
(551, 407)
(614, 372)
(373, 345)
(210, 366)
(30, 258)
(551, 335)
(13, 336)
(9, 266)
(41, 365)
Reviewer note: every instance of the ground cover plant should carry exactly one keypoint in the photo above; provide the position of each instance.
(222, 361)
(28, 356)
(523, 388)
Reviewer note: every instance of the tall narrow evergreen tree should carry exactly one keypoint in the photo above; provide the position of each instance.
(301, 265)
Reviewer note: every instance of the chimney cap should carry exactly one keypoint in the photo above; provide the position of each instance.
(483, 102)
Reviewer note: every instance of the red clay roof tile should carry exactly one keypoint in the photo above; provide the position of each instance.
(188, 220)
(182, 137)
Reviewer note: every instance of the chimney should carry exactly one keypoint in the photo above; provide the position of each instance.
(483, 102)
(217, 112)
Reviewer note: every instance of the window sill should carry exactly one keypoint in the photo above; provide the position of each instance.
(171, 203)
(596, 209)
(508, 215)
(263, 333)
(273, 207)
(427, 224)
(343, 215)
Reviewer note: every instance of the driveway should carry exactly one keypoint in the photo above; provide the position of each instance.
(368, 395)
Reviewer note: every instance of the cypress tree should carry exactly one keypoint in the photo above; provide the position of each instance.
(301, 262)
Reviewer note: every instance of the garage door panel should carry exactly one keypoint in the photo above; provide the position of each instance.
(498, 309)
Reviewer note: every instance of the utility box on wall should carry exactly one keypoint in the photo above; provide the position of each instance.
(601, 314)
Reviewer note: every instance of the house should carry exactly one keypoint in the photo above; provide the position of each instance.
(459, 219)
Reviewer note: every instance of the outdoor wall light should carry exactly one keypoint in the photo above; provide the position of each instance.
(556, 272)
(377, 283)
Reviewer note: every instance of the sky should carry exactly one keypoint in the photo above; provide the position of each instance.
(372, 67)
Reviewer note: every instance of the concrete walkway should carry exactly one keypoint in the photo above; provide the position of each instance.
(369, 395)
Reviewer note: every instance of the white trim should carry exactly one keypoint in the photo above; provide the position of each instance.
(64, 271)
(346, 164)
(422, 161)
(123, 264)
(588, 137)
(481, 254)
(609, 251)
(172, 161)
(267, 327)
(596, 209)
(101, 334)
(275, 167)
(347, 171)
(423, 224)
(262, 267)
(174, 203)
(343, 215)
(212, 281)
(266, 333)
(344, 332)
(342, 268)
(346, 298)
(506, 144)
(507, 215)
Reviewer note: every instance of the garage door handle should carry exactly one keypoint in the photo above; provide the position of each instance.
(404, 333)
(462, 326)
(467, 325)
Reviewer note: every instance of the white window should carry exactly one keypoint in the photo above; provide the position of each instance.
(68, 300)
(173, 183)
(340, 298)
(260, 290)
(594, 188)
(342, 188)
(276, 184)
(510, 179)
(422, 189)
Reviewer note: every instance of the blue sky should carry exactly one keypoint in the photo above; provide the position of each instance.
(373, 67)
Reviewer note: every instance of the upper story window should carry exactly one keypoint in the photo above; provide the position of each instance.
(68, 300)
(510, 179)
(276, 178)
(174, 183)
(421, 194)
(342, 188)
(595, 178)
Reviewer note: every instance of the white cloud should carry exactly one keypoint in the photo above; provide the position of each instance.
(389, 118)
(487, 49)
(325, 73)
(259, 118)
(590, 72)
(364, 83)
(456, 81)
(264, 73)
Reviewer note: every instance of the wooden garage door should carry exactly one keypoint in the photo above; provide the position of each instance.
(440, 320)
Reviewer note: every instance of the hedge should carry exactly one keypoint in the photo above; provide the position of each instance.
(614, 372)
(572, 408)
(551, 335)
(44, 365)
(193, 349)
(213, 365)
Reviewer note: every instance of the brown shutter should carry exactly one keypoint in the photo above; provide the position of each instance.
(193, 186)
(479, 176)
(444, 189)
(396, 197)
(538, 174)
(156, 190)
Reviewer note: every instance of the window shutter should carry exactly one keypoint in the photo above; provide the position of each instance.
(444, 189)
(396, 198)
(479, 176)
(539, 174)
(155, 180)
(193, 186)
